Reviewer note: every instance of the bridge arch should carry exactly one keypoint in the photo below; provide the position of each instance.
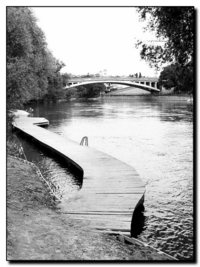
(131, 84)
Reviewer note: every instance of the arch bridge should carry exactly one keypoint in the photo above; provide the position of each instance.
(134, 84)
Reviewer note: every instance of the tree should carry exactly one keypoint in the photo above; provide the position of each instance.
(177, 77)
(71, 92)
(59, 65)
(31, 67)
(55, 87)
(105, 72)
(100, 73)
(174, 26)
(65, 78)
(87, 91)
(23, 56)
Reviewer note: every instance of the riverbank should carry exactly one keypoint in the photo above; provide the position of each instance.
(157, 97)
(36, 230)
(162, 97)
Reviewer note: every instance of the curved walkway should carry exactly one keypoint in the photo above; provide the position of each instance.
(111, 189)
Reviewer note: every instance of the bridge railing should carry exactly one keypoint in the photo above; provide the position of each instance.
(140, 85)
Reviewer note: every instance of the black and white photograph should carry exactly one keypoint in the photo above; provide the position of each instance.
(100, 134)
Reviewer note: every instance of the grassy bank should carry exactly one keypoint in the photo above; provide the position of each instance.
(36, 230)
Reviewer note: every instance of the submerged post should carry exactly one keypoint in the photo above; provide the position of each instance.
(85, 138)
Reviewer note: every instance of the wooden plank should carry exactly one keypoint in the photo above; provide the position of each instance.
(111, 188)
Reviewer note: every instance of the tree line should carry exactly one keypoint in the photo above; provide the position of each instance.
(136, 75)
(33, 73)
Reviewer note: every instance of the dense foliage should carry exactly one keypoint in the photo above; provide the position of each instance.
(86, 91)
(174, 27)
(32, 71)
(179, 78)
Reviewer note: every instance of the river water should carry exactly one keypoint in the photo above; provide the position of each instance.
(153, 136)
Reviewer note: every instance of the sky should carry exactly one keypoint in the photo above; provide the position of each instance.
(89, 40)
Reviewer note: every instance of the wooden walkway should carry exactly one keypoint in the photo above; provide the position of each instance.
(111, 188)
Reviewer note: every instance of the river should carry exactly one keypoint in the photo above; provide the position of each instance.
(153, 136)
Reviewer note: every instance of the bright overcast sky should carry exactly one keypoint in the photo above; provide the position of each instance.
(94, 39)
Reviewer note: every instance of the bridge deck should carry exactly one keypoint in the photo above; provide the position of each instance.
(133, 84)
(111, 188)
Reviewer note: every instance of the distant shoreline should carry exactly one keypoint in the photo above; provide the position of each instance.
(184, 97)
(156, 97)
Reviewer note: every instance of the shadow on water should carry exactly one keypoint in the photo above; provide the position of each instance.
(138, 221)
(52, 164)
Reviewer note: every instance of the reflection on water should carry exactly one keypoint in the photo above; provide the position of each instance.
(156, 138)
(53, 169)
